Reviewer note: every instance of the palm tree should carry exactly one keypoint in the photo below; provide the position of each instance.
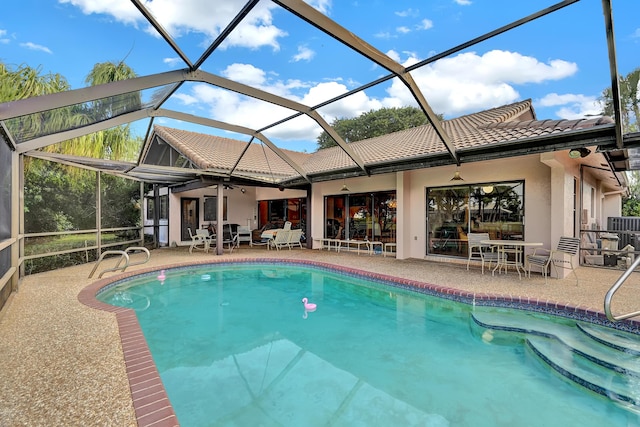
(116, 143)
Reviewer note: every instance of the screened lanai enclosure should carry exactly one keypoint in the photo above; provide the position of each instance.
(260, 157)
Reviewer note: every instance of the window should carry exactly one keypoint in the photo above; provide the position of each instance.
(211, 208)
(452, 212)
(164, 207)
(361, 216)
(274, 213)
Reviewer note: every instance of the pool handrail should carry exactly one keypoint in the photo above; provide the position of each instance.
(609, 296)
(124, 256)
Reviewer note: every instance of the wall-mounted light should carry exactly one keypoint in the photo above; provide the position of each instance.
(242, 190)
(579, 152)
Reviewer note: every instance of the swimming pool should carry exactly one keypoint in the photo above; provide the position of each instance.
(234, 346)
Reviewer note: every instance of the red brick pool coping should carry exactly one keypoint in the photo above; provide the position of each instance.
(150, 401)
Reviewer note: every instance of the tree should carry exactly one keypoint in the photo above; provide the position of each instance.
(115, 143)
(374, 123)
(630, 103)
(631, 204)
(59, 197)
(630, 113)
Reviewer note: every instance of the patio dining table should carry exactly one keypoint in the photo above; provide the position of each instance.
(506, 247)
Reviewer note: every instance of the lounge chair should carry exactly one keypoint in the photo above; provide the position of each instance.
(280, 240)
(295, 237)
(481, 251)
(557, 257)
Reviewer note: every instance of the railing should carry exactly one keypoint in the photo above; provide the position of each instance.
(124, 256)
(614, 289)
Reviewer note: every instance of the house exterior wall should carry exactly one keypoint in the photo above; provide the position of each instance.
(411, 189)
(553, 205)
(611, 207)
(241, 207)
(332, 188)
(528, 168)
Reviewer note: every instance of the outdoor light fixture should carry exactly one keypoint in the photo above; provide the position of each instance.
(456, 176)
(344, 186)
(579, 152)
(243, 190)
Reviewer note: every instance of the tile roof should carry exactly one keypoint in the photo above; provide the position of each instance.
(499, 125)
(209, 152)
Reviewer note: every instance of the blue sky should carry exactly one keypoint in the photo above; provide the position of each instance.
(560, 61)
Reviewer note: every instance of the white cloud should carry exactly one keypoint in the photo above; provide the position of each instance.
(173, 62)
(3, 39)
(463, 2)
(245, 73)
(121, 10)
(572, 106)
(470, 82)
(453, 86)
(407, 12)
(237, 109)
(186, 99)
(323, 6)
(385, 35)
(425, 24)
(393, 55)
(197, 16)
(304, 54)
(403, 30)
(38, 47)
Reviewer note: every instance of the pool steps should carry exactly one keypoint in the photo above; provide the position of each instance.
(603, 360)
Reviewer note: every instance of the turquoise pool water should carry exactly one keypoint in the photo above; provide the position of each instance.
(235, 347)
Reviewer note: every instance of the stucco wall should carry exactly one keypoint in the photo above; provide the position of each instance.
(529, 169)
(411, 194)
(241, 207)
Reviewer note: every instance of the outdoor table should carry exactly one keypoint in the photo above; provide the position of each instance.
(328, 241)
(350, 242)
(506, 247)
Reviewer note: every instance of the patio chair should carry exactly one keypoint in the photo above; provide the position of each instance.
(481, 251)
(542, 258)
(280, 240)
(287, 225)
(198, 240)
(229, 238)
(295, 238)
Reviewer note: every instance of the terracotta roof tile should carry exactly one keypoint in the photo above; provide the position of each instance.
(209, 152)
(498, 125)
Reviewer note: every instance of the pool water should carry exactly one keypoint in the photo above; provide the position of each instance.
(235, 347)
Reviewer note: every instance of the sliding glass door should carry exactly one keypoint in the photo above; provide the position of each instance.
(452, 212)
(361, 216)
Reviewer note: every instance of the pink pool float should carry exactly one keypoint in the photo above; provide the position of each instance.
(308, 306)
(161, 276)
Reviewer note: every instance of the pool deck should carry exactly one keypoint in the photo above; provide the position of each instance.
(63, 361)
